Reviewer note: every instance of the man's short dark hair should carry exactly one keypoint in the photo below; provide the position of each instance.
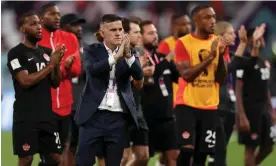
(44, 8)
(126, 24)
(136, 19)
(199, 8)
(107, 18)
(144, 23)
(177, 16)
(22, 19)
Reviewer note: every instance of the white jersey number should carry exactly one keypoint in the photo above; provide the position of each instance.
(265, 73)
(40, 66)
(210, 138)
(57, 140)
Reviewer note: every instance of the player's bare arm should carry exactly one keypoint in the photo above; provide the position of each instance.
(242, 120)
(56, 73)
(56, 76)
(27, 80)
(169, 57)
(240, 49)
(148, 70)
(188, 72)
(256, 48)
(69, 62)
(257, 39)
(243, 41)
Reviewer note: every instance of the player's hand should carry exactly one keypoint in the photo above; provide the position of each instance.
(259, 32)
(120, 52)
(242, 34)
(69, 61)
(225, 41)
(244, 124)
(57, 55)
(262, 42)
(143, 61)
(257, 43)
(214, 47)
(169, 57)
(127, 52)
(222, 45)
(258, 36)
(148, 71)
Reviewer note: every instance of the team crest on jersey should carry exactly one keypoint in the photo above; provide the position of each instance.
(186, 135)
(203, 54)
(46, 57)
(254, 136)
(26, 147)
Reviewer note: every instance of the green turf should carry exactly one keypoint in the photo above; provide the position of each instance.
(235, 154)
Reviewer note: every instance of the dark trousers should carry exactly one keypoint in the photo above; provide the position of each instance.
(224, 131)
(108, 127)
(74, 133)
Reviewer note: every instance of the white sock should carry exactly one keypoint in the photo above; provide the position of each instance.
(211, 160)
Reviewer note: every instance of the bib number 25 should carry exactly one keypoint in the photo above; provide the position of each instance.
(210, 138)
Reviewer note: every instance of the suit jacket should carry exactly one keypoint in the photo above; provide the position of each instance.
(97, 69)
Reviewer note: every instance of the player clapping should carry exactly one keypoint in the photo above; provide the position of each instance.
(253, 101)
(34, 73)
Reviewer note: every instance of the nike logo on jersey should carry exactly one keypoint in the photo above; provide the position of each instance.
(29, 59)
(210, 146)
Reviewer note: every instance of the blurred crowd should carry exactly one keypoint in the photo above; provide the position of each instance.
(159, 12)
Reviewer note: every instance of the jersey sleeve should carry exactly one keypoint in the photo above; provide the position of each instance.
(46, 50)
(181, 53)
(163, 48)
(48, 53)
(240, 64)
(16, 62)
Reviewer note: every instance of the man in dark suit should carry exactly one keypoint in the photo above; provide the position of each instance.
(107, 102)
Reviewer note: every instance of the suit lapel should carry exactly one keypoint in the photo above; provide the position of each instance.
(101, 52)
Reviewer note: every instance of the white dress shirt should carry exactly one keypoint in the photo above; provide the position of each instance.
(116, 107)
